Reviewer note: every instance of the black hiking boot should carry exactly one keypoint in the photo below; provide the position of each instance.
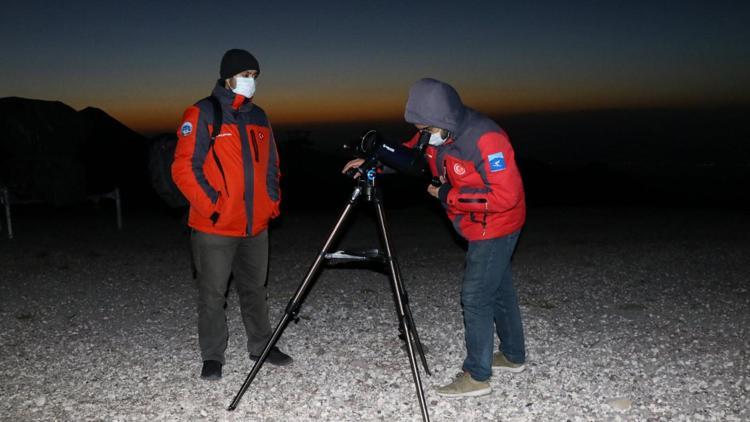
(211, 370)
(275, 357)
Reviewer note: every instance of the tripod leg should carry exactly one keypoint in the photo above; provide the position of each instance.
(293, 307)
(409, 319)
(403, 298)
(256, 367)
(406, 322)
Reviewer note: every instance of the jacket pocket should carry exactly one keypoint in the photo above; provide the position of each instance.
(473, 200)
(214, 217)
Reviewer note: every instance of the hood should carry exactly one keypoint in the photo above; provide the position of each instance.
(434, 103)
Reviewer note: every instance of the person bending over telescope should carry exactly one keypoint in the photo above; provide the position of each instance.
(482, 193)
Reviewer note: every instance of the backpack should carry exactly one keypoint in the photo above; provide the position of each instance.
(161, 157)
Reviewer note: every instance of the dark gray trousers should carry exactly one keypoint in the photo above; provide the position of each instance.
(216, 258)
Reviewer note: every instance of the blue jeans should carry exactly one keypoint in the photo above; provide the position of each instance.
(488, 297)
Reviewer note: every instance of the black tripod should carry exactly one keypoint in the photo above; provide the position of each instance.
(365, 186)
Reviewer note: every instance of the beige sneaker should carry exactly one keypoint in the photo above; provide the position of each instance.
(465, 386)
(500, 363)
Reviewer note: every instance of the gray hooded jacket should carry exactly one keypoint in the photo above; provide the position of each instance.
(483, 195)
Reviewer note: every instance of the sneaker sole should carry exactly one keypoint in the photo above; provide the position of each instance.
(496, 369)
(475, 393)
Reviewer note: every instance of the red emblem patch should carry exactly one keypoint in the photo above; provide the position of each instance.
(260, 135)
(459, 169)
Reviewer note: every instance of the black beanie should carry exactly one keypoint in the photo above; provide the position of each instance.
(236, 61)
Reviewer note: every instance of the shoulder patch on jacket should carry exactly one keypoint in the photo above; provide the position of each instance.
(186, 128)
(497, 161)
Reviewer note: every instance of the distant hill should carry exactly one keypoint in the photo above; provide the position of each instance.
(51, 152)
(698, 156)
(114, 153)
(670, 157)
(718, 135)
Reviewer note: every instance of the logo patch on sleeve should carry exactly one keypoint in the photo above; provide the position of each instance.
(186, 128)
(497, 161)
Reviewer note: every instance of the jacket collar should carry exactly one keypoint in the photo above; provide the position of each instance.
(230, 99)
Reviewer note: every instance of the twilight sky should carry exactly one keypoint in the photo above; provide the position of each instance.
(145, 62)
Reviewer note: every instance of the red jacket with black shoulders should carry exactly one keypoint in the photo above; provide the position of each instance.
(232, 185)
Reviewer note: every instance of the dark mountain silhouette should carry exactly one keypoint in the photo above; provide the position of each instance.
(692, 156)
(632, 136)
(48, 151)
(616, 157)
(114, 153)
(672, 157)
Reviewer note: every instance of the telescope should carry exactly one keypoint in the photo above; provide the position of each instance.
(376, 151)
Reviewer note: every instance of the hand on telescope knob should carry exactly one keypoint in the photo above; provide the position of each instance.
(353, 164)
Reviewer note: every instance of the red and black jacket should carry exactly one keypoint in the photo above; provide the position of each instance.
(483, 194)
(232, 183)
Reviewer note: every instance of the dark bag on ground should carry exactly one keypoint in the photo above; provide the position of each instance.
(160, 158)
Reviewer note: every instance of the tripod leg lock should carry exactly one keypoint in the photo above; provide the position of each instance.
(292, 311)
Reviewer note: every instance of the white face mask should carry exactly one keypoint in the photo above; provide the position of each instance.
(244, 86)
(436, 139)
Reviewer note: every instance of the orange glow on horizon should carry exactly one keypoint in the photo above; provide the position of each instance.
(167, 119)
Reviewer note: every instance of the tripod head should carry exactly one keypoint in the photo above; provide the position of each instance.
(365, 183)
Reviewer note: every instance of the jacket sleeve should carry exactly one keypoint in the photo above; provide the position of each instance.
(503, 188)
(193, 141)
(411, 143)
(273, 177)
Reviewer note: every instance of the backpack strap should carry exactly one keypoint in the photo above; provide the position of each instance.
(218, 118)
(216, 129)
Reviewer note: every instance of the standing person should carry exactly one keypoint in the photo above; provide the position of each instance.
(483, 195)
(230, 175)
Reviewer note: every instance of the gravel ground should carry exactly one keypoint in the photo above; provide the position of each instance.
(629, 315)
